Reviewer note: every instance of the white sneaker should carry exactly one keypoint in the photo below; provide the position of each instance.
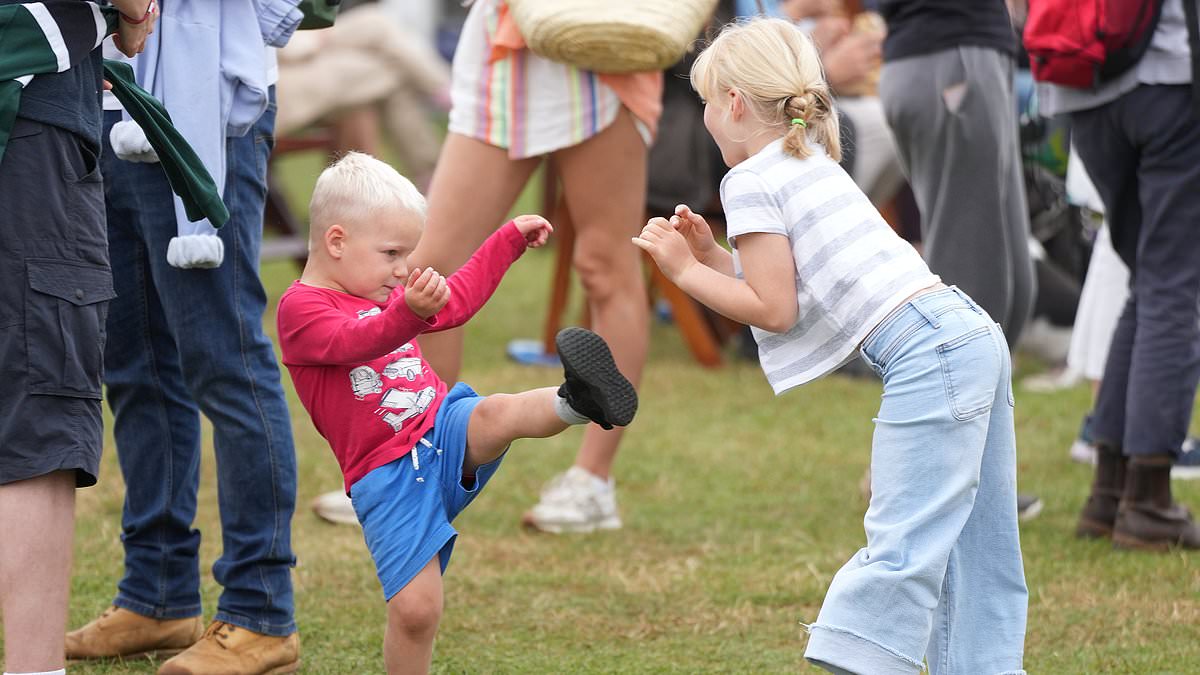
(335, 507)
(1187, 464)
(575, 501)
(1083, 452)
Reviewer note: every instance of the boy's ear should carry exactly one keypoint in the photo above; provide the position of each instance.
(335, 241)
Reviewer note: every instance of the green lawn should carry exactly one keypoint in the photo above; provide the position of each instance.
(739, 507)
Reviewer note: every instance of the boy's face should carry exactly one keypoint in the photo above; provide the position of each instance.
(373, 256)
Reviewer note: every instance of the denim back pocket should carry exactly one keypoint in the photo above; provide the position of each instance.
(970, 370)
(66, 307)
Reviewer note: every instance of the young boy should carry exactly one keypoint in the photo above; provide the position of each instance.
(413, 454)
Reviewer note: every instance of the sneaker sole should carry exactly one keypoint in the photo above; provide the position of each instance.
(586, 357)
(1185, 472)
(530, 523)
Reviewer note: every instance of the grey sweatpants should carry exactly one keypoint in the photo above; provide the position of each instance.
(954, 119)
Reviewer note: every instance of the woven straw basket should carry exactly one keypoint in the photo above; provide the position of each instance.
(611, 36)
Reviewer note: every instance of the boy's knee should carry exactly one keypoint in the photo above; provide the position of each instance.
(490, 411)
(415, 615)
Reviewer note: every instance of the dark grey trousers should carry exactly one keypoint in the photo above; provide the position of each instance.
(954, 119)
(1142, 152)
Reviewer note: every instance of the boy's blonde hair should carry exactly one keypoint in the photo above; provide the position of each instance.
(774, 66)
(357, 187)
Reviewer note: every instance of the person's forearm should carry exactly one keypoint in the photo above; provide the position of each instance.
(720, 260)
(734, 298)
(473, 284)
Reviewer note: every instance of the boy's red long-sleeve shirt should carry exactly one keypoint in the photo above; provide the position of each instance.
(357, 369)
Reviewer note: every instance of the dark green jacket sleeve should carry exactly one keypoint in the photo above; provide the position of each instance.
(186, 173)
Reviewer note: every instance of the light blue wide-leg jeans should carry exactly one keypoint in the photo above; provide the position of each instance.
(940, 580)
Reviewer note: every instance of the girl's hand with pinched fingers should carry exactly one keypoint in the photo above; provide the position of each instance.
(695, 230)
(667, 246)
(426, 292)
(535, 229)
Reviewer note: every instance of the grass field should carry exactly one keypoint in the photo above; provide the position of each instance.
(739, 507)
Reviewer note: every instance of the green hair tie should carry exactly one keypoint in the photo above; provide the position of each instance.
(800, 121)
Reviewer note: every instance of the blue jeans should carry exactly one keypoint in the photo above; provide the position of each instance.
(941, 577)
(185, 342)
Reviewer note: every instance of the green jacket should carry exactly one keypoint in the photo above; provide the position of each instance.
(52, 36)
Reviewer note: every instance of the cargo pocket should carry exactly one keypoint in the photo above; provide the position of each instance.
(65, 310)
(970, 369)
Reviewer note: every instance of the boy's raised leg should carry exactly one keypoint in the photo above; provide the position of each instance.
(593, 390)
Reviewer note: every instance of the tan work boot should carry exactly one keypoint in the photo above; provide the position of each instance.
(120, 632)
(226, 649)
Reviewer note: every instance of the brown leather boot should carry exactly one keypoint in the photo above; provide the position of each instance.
(226, 649)
(1100, 512)
(1148, 518)
(120, 632)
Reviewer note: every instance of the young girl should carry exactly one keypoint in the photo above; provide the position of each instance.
(818, 275)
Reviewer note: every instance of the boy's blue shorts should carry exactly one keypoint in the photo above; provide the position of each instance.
(405, 511)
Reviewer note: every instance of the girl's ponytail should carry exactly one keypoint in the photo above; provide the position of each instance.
(811, 116)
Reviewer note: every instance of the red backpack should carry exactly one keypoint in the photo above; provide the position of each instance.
(1082, 43)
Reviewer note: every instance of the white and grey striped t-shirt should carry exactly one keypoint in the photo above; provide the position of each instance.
(851, 268)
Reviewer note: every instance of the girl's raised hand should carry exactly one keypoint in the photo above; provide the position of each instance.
(695, 230)
(536, 229)
(426, 292)
(667, 246)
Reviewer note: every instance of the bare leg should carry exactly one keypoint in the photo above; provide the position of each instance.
(413, 616)
(501, 419)
(604, 179)
(37, 532)
(474, 186)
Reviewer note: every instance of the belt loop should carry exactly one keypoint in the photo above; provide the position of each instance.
(967, 299)
(920, 307)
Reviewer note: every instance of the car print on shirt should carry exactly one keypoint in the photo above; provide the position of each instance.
(408, 368)
(409, 403)
(364, 313)
(364, 380)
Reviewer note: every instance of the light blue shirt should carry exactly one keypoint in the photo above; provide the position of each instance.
(750, 8)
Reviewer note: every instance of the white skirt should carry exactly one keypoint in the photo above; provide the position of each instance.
(523, 103)
(1100, 303)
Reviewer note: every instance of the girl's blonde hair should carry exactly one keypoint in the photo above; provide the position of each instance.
(775, 68)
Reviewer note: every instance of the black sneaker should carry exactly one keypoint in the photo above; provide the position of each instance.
(594, 387)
